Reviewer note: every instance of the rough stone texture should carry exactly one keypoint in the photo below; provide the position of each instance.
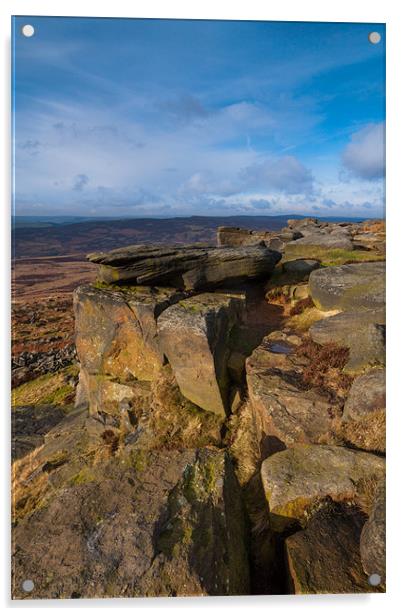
(321, 240)
(367, 395)
(185, 266)
(116, 339)
(235, 237)
(354, 287)
(325, 557)
(31, 423)
(372, 540)
(293, 479)
(286, 412)
(134, 523)
(362, 332)
(300, 266)
(194, 336)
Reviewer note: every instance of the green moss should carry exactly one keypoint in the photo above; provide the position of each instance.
(85, 475)
(138, 459)
(330, 257)
(50, 388)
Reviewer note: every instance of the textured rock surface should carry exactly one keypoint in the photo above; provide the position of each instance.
(185, 266)
(300, 266)
(325, 557)
(287, 413)
(362, 332)
(355, 287)
(31, 423)
(293, 479)
(372, 540)
(135, 522)
(116, 339)
(367, 395)
(194, 337)
(320, 240)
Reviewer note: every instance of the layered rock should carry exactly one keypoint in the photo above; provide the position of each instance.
(236, 237)
(194, 336)
(185, 267)
(354, 287)
(296, 478)
(325, 557)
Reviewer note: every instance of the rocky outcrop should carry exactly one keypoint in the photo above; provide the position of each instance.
(367, 395)
(185, 267)
(117, 341)
(296, 478)
(354, 287)
(235, 237)
(136, 522)
(194, 335)
(325, 557)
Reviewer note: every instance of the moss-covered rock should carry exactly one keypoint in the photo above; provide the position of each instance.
(293, 479)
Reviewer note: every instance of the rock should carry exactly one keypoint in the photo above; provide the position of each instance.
(235, 236)
(295, 478)
(325, 558)
(372, 539)
(130, 522)
(286, 412)
(300, 266)
(354, 287)
(320, 240)
(367, 395)
(194, 336)
(117, 342)
(185, 266)
(298, 223)
(31, 423)
(362, 332)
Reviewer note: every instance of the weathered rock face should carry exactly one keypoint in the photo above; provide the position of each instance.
(185, 267)
(31, 423)
(293, 479)
(320, 240)
(194, 336)
(136, 523)
(286, 412)
(325, 557)
(300, 266)
(363, 332)
(353, 287)
(372, 539)
(366, 396)
(116, 339)
(235, 237)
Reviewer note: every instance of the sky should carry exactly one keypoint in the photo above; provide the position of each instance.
(136, 117)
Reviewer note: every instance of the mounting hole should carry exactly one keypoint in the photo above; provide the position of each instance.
(28, 585)
(374, 579)
(374, 38)
(28, 30)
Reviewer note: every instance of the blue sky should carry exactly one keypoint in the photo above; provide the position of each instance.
(117, 117)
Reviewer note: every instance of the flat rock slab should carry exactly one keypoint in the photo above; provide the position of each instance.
(185, 266)
(363, 332)
(353, 287)
(300, 266)
(325, 557)
(295, 478)
(320, 240)
(366, 396)
(287, 413)
(194, 335)
(139, 523)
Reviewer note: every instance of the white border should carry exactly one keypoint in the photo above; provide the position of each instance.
(289, 10)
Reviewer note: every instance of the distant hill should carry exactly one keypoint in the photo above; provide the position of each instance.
(36, 236)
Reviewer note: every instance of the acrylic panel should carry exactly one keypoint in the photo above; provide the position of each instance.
(198, 308)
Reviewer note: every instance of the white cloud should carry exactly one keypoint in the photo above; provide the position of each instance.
(364, 156)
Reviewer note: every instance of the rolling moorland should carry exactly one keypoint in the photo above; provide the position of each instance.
(198, 407)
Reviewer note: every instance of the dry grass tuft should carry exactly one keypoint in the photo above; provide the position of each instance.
(301, 306)
(175, 422)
